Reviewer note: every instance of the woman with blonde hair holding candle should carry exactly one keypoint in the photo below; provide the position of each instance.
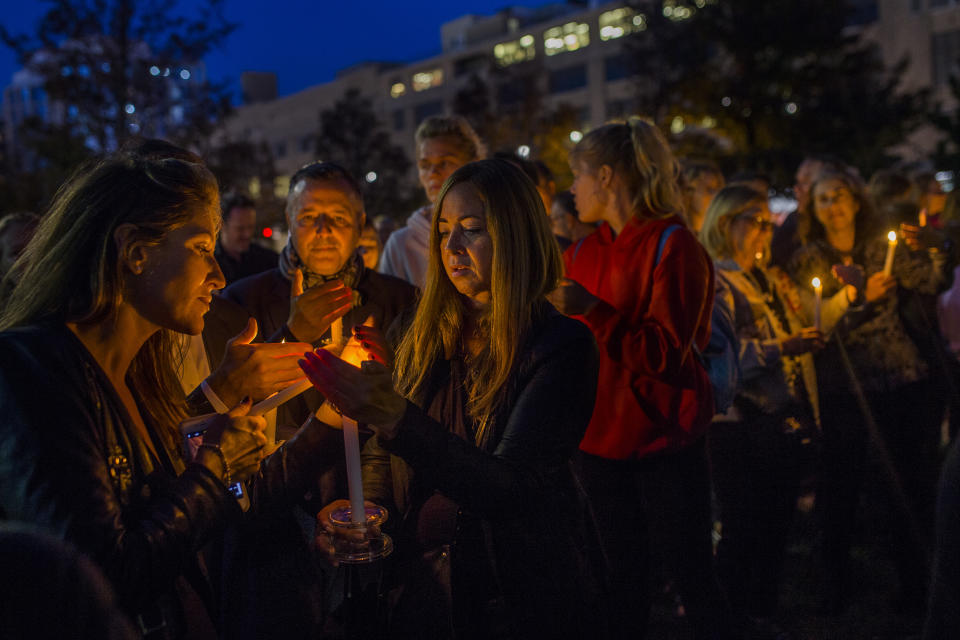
(761, 449)
(491, 392)
(869, 361)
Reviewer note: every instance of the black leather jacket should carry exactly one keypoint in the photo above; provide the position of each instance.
(71, 461)
(521, 488)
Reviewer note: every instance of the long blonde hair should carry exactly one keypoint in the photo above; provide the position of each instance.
(640, 155)
(526, 266)
(71, 272)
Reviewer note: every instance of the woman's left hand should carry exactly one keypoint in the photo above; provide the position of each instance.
(572, 299)
(365, 394)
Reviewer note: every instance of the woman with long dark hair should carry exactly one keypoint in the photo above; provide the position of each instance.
(89, 400)
(871, 363)
(491, 392)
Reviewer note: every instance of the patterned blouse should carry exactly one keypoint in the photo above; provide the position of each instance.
(767, 310)
(883, 355)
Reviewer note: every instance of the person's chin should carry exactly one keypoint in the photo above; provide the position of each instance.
(192, 326)
(325, 265)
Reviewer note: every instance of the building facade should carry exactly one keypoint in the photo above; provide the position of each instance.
(575, 55)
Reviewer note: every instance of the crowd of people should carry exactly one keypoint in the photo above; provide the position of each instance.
(563, 397)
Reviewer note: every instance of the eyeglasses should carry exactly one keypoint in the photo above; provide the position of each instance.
(759, 223)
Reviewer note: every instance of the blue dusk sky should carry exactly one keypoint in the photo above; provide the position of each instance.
(304, 42)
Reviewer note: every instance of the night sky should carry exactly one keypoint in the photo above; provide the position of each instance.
(304, 42)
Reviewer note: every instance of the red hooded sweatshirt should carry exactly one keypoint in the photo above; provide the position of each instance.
(653, 394)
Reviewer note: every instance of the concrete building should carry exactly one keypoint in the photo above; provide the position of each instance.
(575, 52)
(927, 34)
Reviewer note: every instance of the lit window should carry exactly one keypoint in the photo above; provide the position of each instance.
(507, 53)
(678, 11)
(620, 22)
(569, 37)
(397, 89)
(281, 185)
(427, 79)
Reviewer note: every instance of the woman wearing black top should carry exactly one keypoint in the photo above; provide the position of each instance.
(491, 393)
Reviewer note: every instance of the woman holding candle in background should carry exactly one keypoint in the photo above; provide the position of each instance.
(495, 389)
(758, 448)
(89, 399)
(846, 248)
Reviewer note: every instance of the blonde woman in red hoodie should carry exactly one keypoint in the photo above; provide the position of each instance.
(645, 286)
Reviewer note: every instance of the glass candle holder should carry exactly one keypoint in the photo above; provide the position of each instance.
(351, 543)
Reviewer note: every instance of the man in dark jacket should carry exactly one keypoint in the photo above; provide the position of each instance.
(270, 581)
(236, 253)
(320, 277)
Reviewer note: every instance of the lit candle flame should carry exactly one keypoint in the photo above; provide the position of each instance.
(816, 283)
(892, 236)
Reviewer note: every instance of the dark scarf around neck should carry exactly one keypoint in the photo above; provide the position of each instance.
(351, 272)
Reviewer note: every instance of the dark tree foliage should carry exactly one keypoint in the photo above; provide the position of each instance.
(95, 58)
(351, 135)
(773, 80)
(507, 108)
(238, 165)
(237, 162)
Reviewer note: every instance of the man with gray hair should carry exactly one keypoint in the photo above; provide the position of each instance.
(443, 145)
(320, 278)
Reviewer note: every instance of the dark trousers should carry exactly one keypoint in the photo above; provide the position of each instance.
(665, 497)
(757, 469)
(910, 432)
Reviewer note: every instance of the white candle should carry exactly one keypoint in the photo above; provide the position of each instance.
(336, 332)
(891, 248)
(277, 399)
(818, 291)
(351, 442)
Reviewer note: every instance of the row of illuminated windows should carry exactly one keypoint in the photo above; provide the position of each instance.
(562, 80)
(566, 37)
(421, 81)
(571, 36)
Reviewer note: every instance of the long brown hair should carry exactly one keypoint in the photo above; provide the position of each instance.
(526, 267)
(640, 155)
(866, 224)
(71, 272)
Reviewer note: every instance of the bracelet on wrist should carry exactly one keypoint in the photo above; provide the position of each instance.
(227, 480)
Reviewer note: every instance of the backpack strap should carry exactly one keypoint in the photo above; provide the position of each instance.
(663, 241)
(576, 250)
